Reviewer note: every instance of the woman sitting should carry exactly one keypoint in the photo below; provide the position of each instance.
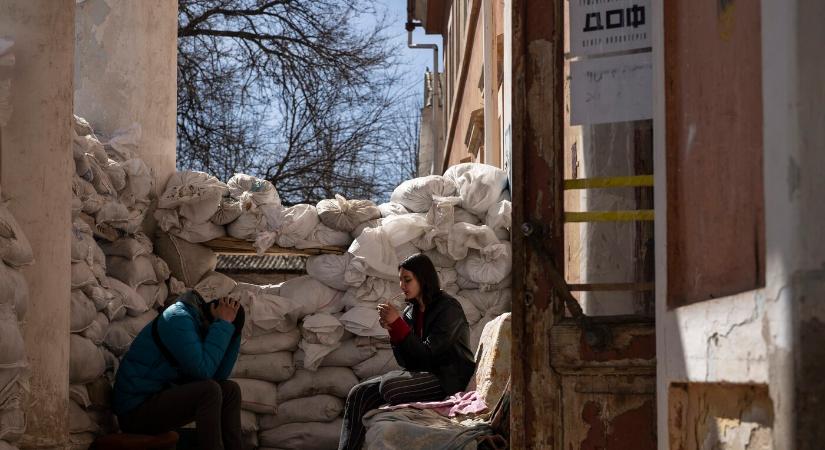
(430, 339)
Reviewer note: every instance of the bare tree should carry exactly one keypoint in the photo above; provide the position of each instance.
(293, 91)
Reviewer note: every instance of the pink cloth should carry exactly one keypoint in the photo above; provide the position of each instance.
(458, 403)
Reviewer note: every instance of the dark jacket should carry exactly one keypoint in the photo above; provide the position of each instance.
(202, 354)
(444, 348)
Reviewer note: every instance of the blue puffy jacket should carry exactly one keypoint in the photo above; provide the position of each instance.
(202, 353)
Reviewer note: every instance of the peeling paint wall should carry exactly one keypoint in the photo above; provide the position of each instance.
(770, 336)
(126, 72)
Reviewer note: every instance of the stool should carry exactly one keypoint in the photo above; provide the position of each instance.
(125, 441)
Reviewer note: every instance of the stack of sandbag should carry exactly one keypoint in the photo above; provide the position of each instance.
(15, 253)
(195, 206)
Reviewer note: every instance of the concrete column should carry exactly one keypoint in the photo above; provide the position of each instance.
(126, 72)
(35, 173)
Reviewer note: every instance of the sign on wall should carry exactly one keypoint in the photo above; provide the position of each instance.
(611, 89)
(604, 26)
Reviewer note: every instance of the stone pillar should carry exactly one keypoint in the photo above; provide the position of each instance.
(126, 72)
(35, 174)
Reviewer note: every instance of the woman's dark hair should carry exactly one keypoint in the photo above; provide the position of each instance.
(424, 271)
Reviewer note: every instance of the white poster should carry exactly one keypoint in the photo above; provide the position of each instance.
(605, 26)
(611, 89)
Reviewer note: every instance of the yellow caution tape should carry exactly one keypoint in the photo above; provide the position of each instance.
(609, 216)
(609, 182)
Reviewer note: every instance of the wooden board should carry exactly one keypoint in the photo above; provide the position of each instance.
(234, 246)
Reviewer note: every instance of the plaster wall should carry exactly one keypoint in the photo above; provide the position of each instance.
(126, 72)
(770, 336)
(35, 174)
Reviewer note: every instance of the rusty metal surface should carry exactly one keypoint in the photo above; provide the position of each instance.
(610, 348)
(713, 101)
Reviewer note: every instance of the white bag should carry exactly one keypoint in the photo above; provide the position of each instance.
(272, 342)
(349, 353)
(322, 328)
(318, 408)
(128, 247)
(265, 312)
(329, 269)
(335, 381)
(479, 185)
(247, 226)
(471, 312)
(134, 303)
(85, 360)
(273, 367)
(215, 285)
(312, 296)
(375, 289)
(153, 294)
(14, 290)
(363, 321)
(96, 331)
(121, 333)
(447, 278)
(82, 275)
(392, 209)
(249, 421)
(403, 229)
(139, 183)
(373, 254)
(257, 395)
(133, 272)
(464, 236)
(492, 304)
(297, 223)
(195, 195)
(499, 218)
(417, 194)
(382, 362)
(322, 236)
(252, 192)
(187, 262)
(229, 209)
(82, 312)
(374, 223)
(491, 265)
(439, 259)
(344, 215)
(314, 435)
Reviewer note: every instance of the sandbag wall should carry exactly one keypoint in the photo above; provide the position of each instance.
(117, 281)
(15, 253)
(307, 341)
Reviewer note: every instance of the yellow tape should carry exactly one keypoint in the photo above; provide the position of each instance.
(609, 216)
(609, 182)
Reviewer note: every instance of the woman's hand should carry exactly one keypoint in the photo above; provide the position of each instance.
(387, 314)
(225, 309)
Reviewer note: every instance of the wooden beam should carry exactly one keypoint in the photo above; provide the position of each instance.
(233, 246)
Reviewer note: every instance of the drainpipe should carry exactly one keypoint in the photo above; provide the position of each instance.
(434, 92)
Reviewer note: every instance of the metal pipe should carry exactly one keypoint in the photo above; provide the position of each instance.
(434, 94)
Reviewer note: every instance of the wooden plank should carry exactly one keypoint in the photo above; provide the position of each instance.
(619, 287)
(604, 348)
(609, 182)
(609, 216)
(233, 246)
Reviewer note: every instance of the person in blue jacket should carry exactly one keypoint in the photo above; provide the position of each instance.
(176, 371)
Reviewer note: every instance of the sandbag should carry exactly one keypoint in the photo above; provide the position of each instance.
(12, 350)
(133, 272)
(490, 265)
(464, 237)
(447, 278)
(247, 226)
(15, 249)
(335, 381)
(116, 173)
(134, 303)
(96, 331)
(329, 269)
(314, 353)
(466, 284)
(85, 360)
(257, 395)
(79, 421)
(318, 408)
(471, 312)
(14, 290)
(82, 312)
(273, 367)
(392, 209)
(362, 321)
(82, 275)
(121, 333)
(271, 342)
(215, 285)
(492, 303)
(129, 247)
(403, 229)
(187, 262)
(417, 194)
(464, 216)
(80, 395)
(153, 294)
(348, 354)
(252, 192)
(312, 296)
(314, 435)
(375, 289)
(12, 424)
(499, 218)
(374, 223)
(479, 185)
(229, 209)
(382, 362)
(197, 232)
(439, 259)
(195, 195)
(99, 296)
(297, 223)
(344, 215)
(265, 312)
(249, 421)
(139, 182)
(373, 254)
(322, 328)
(322, 236)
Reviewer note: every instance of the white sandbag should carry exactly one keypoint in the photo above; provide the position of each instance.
(297, 223)
(471, 312)
(98, 177)
(83, 242)
(382, 362)
(12, 350)
(464, 236)
(252, 192)
(257, 395)
(91, 201)
(392, 209)
(215, 285)
(176, 287)
(79, 421)
(116, 173)
(14, 290)
(329, 269)
(249, 421)
(273, 367)
(198, 232)
(499, 218)
(121, 333)
(265, 312)
(464, 216)
(134, 303)
(82, 312)
(349, 353)
(271, 342)
(417, 194)
(113, 213)
(129, 247)
(195, 195)
(363, 321)
(99, 296)
(479, 185)
(447, 278)
(403, 229)
(335, 381)
(79, 394)
(229, 209)
(375, 289)
(439, 259)
(139, 182)
(374, 223)
(312, 296)
(153, 294)
(374, 254)
(314, 435)
(344, 215)
(318, 408)
(114, 308)
(133, 272)
(313, 354)
(467, 284)
(187, 262)
(96, 331)
(12, 424)
(85, 360)
(162, 271)
(247, 226)
(322, 328)
(404, 251)
(490, 304)
(491, 265)
(82, 275)
(323, 235)
(124, 142)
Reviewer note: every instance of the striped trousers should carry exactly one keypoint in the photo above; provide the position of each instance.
(393, 388)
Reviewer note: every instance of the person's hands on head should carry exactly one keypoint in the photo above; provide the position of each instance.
(225, 308)
(387, 314)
